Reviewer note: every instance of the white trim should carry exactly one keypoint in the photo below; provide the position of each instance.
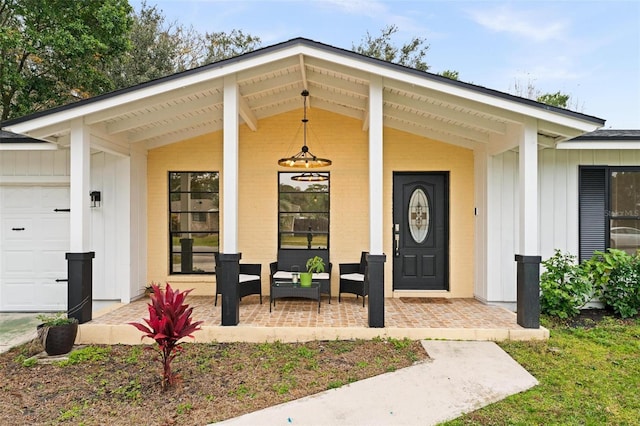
(230, 166)
(528, 179)
(79, 241)
(35, 180)
(376, 167)
(29, 146)
(600, 145)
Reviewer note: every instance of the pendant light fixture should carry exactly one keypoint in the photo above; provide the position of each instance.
(305, 159)
(310, 177)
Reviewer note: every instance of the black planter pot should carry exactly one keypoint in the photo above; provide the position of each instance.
(58, 339)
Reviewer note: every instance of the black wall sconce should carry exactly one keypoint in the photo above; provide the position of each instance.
(95, 198)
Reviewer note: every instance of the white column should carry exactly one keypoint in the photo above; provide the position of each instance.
(230, 167)
(481, 163)
(376, 162)
(80, 187)
(528, 176)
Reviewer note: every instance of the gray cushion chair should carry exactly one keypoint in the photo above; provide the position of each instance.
(353, 278)
(249, 280)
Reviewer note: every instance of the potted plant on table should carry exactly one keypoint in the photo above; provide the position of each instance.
(57, 332)
(314, 265)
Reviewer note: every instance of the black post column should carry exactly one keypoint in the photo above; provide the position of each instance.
(80, 285)
(227, 274)
(528, 293)
(375, 277)
(186, 258)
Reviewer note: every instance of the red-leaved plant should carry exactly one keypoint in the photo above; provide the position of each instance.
(169, 321)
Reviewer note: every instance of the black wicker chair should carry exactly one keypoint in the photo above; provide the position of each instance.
(353, 278)
(249, 280)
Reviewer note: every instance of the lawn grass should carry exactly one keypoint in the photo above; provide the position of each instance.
(588, 376)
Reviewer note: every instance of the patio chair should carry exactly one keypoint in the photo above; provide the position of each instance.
(249, 280)
(353, 278)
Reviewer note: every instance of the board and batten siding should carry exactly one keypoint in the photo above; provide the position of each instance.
(557, 216)
(38, 167)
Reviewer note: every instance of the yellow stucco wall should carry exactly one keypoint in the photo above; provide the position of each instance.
(329, 135)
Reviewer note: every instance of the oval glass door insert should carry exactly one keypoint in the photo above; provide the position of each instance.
(418, 215)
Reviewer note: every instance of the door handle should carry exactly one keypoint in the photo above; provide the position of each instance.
(396, 239)
(62, 280)
(17, 229)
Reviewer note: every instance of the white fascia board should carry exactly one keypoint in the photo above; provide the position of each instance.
(599, 145)
(29, 146)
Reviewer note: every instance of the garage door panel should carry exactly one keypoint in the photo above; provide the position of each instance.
(16, 230)
(55, 198)
(52, 264)
(18, 262)
(30, 296)
(18, 293)
(33, 258)
(18, 200)
(54, 232)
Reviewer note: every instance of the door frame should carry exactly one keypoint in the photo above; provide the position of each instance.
(447, 223)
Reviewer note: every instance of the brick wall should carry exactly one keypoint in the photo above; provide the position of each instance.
(331, 136)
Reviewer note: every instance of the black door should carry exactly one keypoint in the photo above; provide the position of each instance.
(421, 231)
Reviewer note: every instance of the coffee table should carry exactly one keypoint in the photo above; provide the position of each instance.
(286, 288)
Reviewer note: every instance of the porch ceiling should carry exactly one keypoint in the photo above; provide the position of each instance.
(191, 104)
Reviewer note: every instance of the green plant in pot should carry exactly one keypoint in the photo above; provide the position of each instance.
(57, 333)
(314, 265)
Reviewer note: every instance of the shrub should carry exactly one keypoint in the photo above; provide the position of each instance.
(169, 321)
(564, 285)
(617, 275)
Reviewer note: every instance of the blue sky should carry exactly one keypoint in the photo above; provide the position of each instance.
(587, 49)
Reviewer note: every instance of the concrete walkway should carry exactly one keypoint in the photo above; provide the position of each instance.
(461, 377)
(16, 329)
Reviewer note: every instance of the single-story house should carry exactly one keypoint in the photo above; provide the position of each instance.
(442, 182)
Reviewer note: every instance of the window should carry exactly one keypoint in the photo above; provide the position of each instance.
(193, 222)
(609, 209)
(303, 213)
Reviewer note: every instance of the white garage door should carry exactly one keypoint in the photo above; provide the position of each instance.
(33, 241)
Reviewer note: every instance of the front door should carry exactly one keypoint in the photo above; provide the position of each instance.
(421, 231)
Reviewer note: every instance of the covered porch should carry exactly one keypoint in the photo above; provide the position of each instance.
(294, 320)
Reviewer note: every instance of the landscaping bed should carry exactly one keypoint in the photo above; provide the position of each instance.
(120, 385)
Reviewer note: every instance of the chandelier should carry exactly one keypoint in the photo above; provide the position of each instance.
(310, 177)
(304, 158)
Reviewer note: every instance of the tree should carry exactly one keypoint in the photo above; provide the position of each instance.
(557, 99)
(156, 50)
(450, 74)
(54, 52)
(221, 45)
(161, 48)
(410, 54)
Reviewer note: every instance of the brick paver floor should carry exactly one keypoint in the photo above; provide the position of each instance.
(399, 312)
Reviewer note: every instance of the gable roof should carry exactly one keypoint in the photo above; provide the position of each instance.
(9, 137)
(610, 135)
(270, 80)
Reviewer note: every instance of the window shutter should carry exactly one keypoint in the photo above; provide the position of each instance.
(592, 205)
